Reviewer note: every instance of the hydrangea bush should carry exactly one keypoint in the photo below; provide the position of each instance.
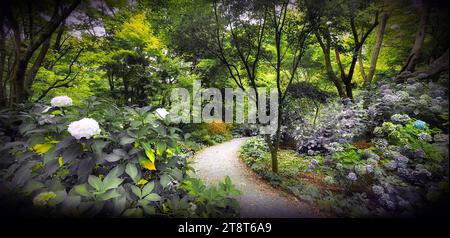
(400, 169)
(97, 159)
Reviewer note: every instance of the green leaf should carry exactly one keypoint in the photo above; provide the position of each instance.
(71, 202)
(60, 197)
(177, 173)
(160, 148)
(143, 202)
(98, 146)
(152, 197)
(116, 155)
(126, 140)
(136, 191)
(108, 195)
(95, 182)
(119, 204)
(164, 180)
(120, 152)
(148, 188)
(112, 157)
(82, 190)
(132, 171)
(149, 118)
(132, 212)
(32, 186)
(149, 210)
(116, 172)
(111, 182)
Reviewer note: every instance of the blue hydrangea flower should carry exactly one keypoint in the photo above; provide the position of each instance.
(419, 124)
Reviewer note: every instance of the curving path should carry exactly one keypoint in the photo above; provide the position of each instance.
(258, 199)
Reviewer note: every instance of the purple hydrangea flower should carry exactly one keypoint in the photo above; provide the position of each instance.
(401, 159)
(384, 86)
(378, 190)
(425, 137)
(391, 165)
(369, 168)
(400, 118)
(352, 176)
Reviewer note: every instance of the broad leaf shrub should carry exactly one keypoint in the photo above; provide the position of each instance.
(119, 162)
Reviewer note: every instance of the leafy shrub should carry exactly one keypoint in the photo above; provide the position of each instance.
(218, 127)
(341, 124)
(132, 165)
(210, 133)
(212, 201)
(253, 150)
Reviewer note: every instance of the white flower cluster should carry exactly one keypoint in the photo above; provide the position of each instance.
(85, 127)
(61, 101)
(161, 113)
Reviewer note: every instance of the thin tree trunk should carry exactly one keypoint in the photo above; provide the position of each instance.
(329, 68)
(376, 49)
(316, 114)
(416, 51)
(361, 65)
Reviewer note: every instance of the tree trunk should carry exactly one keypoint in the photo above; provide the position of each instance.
(416, 51)
(37, 64)
(376, 50)
(2, 63)
(24, 53)
(348, 88)
(361, 65)
(330, 73)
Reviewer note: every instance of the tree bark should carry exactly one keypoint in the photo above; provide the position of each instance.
(329, 68)
(2, 63)
(361, 65)
(376, 50)
(24, 53)
(37, 64)
(416, 51)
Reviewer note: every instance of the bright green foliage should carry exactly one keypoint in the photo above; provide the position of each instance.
(253, 150)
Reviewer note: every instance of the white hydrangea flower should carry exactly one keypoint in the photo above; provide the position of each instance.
(85, 127)
(161, 113)
(61, 101)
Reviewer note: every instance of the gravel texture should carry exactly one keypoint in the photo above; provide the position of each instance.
(258, 199)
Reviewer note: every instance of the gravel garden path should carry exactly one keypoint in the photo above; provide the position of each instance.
(258, 199)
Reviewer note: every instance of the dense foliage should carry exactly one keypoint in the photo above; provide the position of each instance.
(133, 165)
